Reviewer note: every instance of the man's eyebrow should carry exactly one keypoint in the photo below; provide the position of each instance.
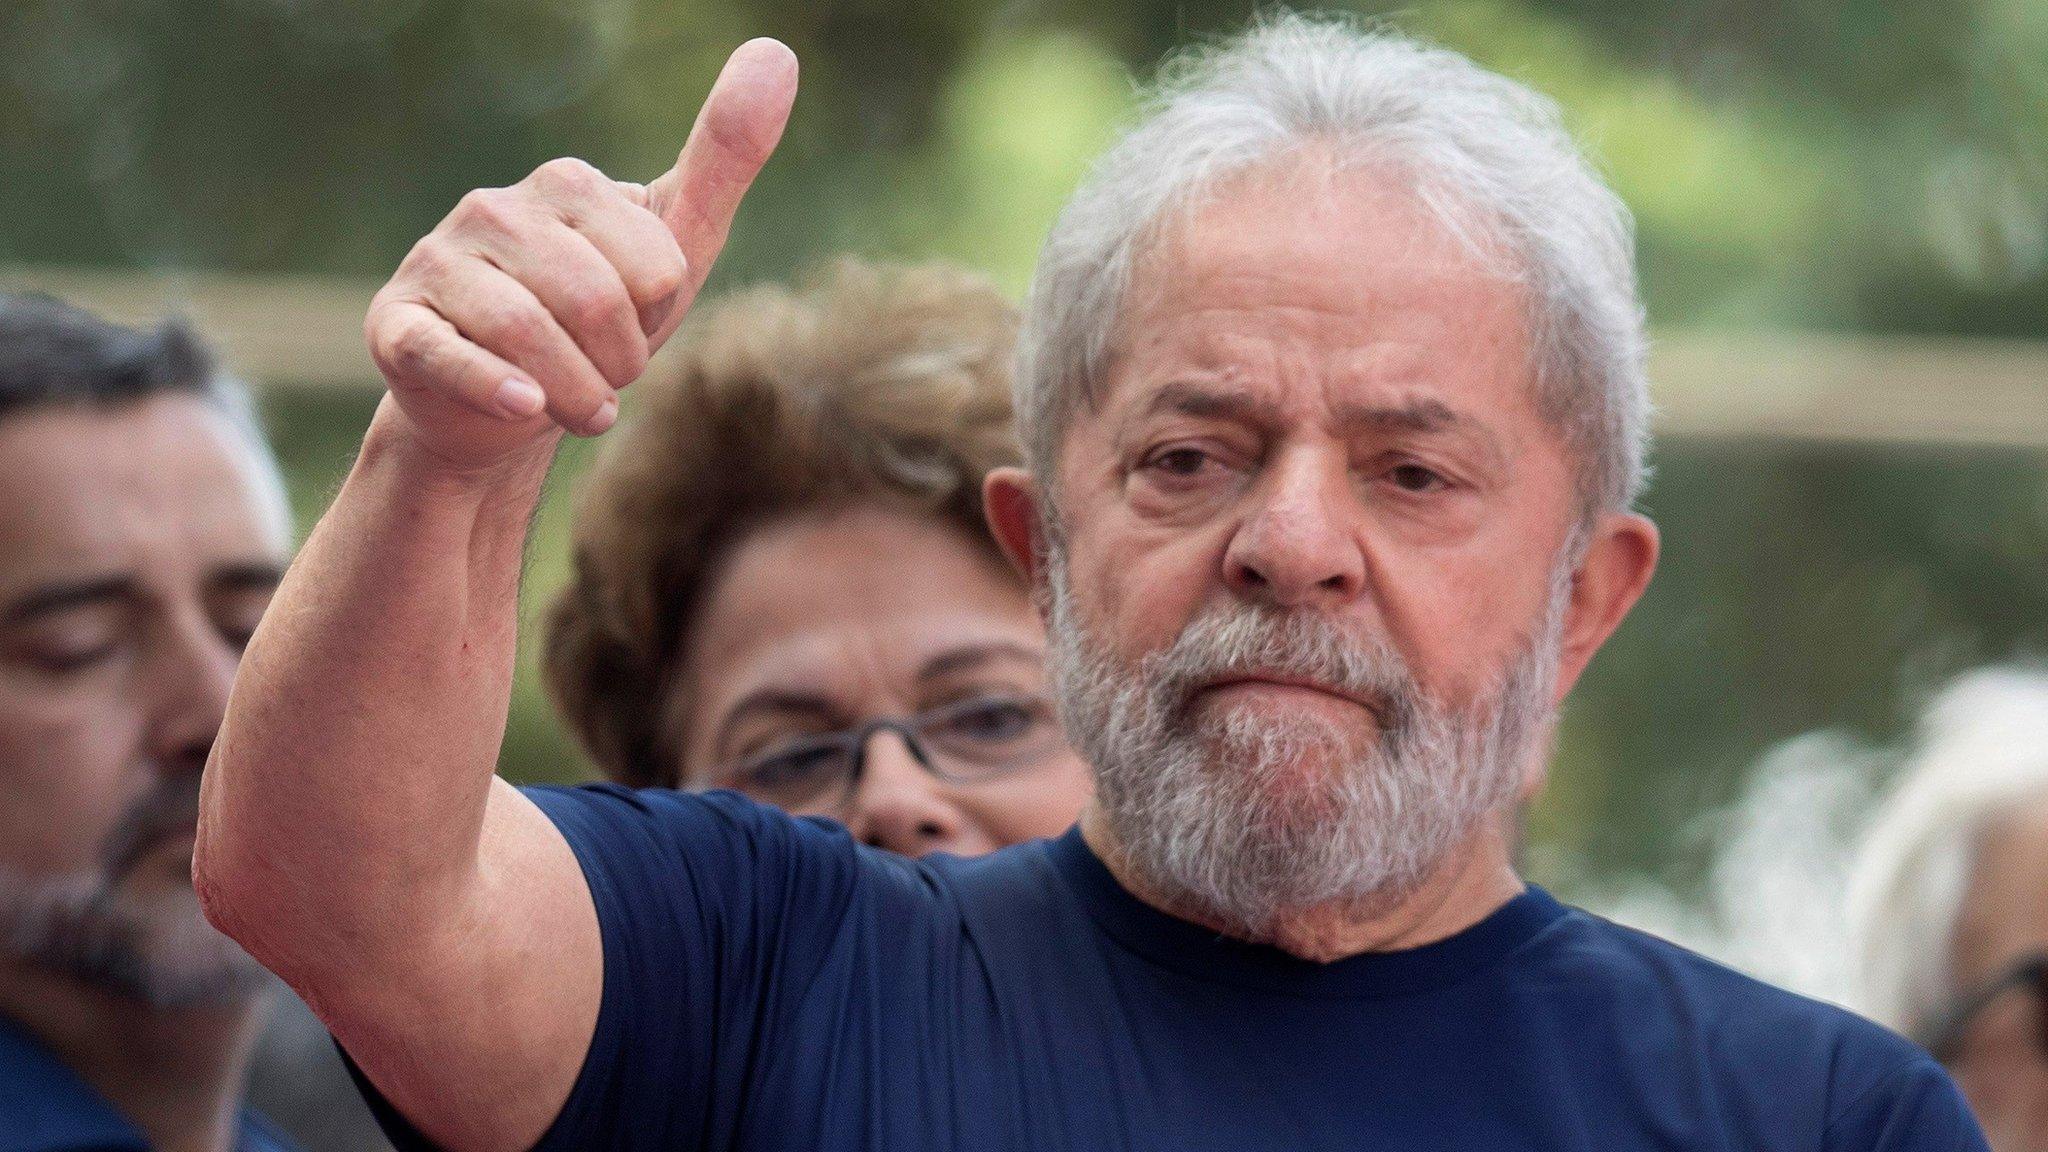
(1422, 417)
(1194, 399)
(969, 656)
(1188, 398)
(1413, 416)
(69, 594)
(253, 574)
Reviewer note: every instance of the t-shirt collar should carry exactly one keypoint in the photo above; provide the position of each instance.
(1204, 954)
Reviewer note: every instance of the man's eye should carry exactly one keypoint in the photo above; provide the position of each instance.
(1180, 461)
(61, 661)
(1416, 478)
(66, 651)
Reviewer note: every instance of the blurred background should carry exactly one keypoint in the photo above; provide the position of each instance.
(1843, 212)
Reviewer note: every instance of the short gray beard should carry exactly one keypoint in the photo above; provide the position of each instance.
(159, 950)
(1244, 822)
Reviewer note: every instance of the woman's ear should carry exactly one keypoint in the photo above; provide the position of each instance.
(1009, 498)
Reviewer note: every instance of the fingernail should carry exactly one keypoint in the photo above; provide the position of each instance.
(606, 415)
(520, 399)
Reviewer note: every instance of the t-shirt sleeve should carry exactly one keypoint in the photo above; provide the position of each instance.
(1916, 1109)
(716, 914)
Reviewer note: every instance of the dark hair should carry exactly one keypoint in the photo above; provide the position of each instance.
(57, 354)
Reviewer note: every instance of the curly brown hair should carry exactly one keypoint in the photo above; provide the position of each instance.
(872, 384)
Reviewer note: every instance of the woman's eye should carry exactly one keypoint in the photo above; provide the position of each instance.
(789, 766)
(993, 720)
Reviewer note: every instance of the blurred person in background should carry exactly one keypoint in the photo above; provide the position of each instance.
(784, 583)
(1948, 899)
(1332, 397)
(143, 527)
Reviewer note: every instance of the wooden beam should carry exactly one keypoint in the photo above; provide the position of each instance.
(306, 331)
(294, 331)
(1864, 389)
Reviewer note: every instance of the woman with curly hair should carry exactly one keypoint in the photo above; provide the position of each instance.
(782, 580)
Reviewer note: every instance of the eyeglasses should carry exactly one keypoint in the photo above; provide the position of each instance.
(967, 742)
(1944, 1037)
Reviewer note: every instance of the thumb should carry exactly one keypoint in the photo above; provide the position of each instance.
(736, 130)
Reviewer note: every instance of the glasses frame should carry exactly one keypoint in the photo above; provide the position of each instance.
(852, 743)
(1943, 1036)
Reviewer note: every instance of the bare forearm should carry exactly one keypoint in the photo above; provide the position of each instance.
(348, 787)
(353, 836)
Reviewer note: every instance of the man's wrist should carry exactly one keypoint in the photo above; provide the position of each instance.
(395, 449)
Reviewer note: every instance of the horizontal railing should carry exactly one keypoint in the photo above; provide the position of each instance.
(306, 331)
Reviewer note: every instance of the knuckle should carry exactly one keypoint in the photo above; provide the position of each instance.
(490, 209)
(402, 344)
(662, 281)
(428, 260)
(567, 175)
(592, 309)
(517, 325)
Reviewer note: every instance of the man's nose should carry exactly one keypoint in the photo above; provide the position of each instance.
(190, 676)
(1298, 546)
(899, 805)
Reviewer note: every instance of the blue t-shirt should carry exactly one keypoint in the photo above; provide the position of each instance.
(769, 984)
(45, 1107)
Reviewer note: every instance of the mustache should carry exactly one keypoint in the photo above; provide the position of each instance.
(166, 811)
(1238, 640)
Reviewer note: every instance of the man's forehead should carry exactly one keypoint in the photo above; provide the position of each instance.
(91, 491)
(1349, 223)
(1348, 276)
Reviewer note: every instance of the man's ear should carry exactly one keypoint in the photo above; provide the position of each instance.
(1609, 580)
(1009, 498)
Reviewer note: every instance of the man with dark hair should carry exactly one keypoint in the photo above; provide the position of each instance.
(142, 531)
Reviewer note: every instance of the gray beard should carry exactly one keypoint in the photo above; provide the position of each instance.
(158, 948)
(160, 951)
(1245, 822)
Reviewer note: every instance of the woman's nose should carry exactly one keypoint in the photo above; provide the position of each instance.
(900, 805)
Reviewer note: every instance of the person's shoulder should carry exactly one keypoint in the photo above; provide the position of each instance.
(668, 817)
(717, 840)
(1741, 1023)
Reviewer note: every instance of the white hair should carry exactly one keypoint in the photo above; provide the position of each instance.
(235, 400)
(1983, 751)
(1488, 156)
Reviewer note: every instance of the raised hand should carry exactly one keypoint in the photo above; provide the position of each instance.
(526, 310)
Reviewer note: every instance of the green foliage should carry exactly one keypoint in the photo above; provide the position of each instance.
(1856, 164)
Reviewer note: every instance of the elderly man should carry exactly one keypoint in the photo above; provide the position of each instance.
(1333, 398)
(142, 530)
(1949, 899)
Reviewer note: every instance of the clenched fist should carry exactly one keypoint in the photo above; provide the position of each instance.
(526, 310)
